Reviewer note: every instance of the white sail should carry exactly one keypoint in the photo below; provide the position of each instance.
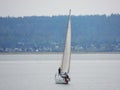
(62, 76)
(65, 65)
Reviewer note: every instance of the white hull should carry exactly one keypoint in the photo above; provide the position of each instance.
(60, 80)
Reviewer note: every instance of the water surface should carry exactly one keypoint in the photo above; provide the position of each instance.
(36, 72)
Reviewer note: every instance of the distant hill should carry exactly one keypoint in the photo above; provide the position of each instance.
(90, 33)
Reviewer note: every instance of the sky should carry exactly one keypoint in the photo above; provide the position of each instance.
(58, 7)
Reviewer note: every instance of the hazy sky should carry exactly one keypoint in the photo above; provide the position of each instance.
(57, 7)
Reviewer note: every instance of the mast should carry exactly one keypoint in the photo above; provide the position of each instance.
(65, 65)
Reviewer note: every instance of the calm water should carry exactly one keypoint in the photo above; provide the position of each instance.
(36, 72)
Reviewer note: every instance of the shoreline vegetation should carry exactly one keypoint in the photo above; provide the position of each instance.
(94, 33)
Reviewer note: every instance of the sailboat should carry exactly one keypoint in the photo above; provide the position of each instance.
(62, 77)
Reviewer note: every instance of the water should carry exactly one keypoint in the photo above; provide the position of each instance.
(36, 72)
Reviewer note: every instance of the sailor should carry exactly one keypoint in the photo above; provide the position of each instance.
(66, 77)
(59, 70)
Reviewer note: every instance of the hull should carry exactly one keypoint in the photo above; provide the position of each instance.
(60, 80)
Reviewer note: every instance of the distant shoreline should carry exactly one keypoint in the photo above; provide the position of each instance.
(5, 53)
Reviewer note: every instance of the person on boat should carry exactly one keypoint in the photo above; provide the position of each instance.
(66, 77)
(59, 71)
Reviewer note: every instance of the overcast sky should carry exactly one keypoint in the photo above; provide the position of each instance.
(58, 7)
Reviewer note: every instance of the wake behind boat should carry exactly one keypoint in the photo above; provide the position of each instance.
(62, 77)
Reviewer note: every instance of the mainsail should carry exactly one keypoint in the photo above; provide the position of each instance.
(65, 65)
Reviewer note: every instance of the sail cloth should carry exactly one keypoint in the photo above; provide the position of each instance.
(65, 65)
